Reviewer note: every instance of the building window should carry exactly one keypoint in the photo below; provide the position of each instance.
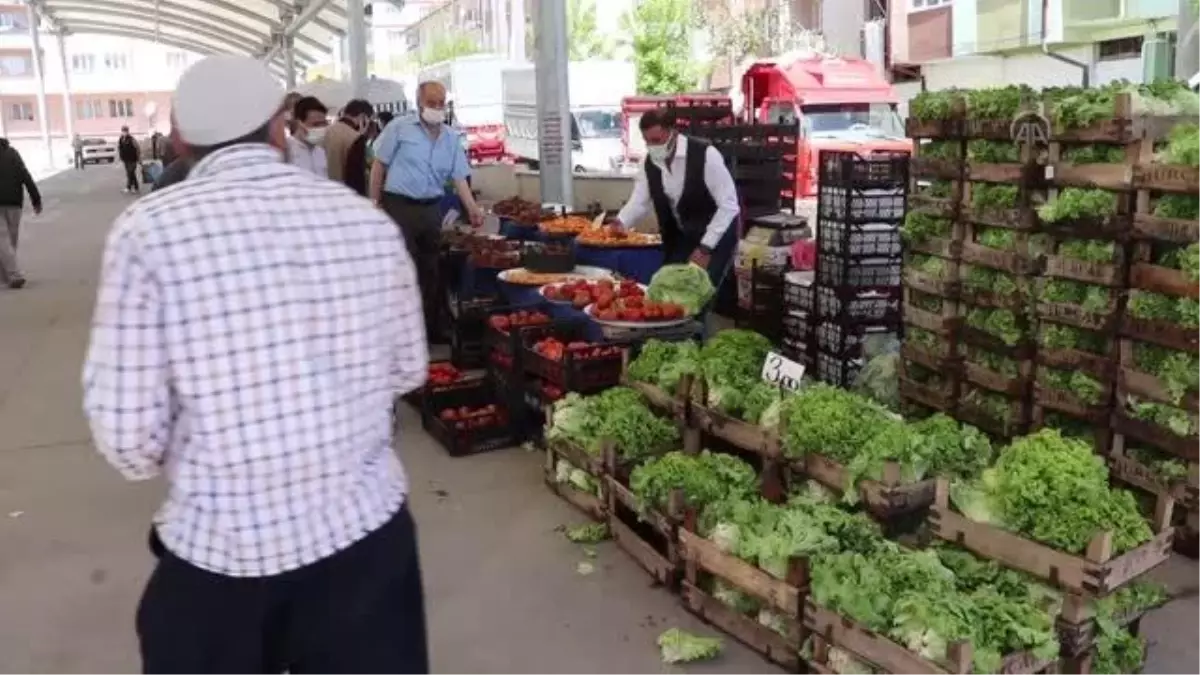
(929, 4)
(16, 66)
(116, 61)
(21, 112)
(120, 107)
(83, 64)
(89, 109)
(177, 60)
(1117, 50)
(7, 21)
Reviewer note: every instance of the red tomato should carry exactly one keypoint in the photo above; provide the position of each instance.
(634, 314)
(632, 303)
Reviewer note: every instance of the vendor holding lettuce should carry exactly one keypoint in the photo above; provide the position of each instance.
(686, 184)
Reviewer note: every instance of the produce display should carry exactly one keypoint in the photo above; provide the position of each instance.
(731, 366)
(619, 415)
(663, 364)
(466, 418)
(583, 292)
(635, 309)
(556, 350)
(523, 277)
(686, 285)
(615, 237)
(565, 225)
(442, 373)
(518, 319)
(494, 253)
(703, 478)
(518, 210)
(1054, 490)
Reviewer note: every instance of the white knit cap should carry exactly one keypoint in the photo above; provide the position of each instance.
(221, 98)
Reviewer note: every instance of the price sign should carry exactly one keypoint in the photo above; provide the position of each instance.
(491, 224)
(782, 371)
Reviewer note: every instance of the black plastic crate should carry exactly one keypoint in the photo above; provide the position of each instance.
(798, 326)
(588, 368)
(852, 240)
(836, 370)
(860, 205)
(838, 168)
(847, 339)
(855, 305)
(456, 431)
(796, 350)
(468, 325)
(510, 342)
(835, 270)
(799, 291)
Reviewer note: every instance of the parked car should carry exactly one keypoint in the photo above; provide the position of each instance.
(96, 150)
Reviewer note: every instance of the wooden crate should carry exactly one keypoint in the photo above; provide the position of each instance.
(830, 629)
(1097, 573)
(884, 499)
(676, 405)
(649, 536)
(595, 506)
(704, 561)
(745, 436)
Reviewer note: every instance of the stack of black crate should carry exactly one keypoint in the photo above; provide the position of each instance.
(861, 202)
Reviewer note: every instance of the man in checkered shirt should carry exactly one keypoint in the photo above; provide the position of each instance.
(253, 326)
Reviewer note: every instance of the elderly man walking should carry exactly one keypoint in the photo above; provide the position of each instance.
(414, 159)
(253, 327)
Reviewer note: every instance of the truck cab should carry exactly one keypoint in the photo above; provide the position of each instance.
(837, 104)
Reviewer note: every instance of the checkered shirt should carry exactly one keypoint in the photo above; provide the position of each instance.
(253, 325)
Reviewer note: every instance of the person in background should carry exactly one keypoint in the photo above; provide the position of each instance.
(306, 146)
(414, 159)
(129, 154)
(156, 141)
(77, 145)
(341, 138)
(15, 181)
(686, 184)
(289, 104)
(285, 543)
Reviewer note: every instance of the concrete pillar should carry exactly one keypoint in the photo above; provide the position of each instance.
(553, 104)
(68, 108)
(289, 62)
(39, 71)
(356, 37)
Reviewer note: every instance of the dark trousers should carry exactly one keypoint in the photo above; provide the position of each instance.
(360, 610)
(131, 181)
(78, 159)
(421, 224)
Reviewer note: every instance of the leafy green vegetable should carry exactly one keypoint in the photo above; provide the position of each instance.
(988, 280)
(1078, 204)
(703, 478)
(1183, 145)
(1000, 323)
(919, 227)
(1094, 154)
(619, 414)
(1054, 490)
(678, 646)
(1088, 250)
(684, 284)
(1118, 652)
(1056, 336)
(1178, 371)
(829, 421)
(731, 363)
(588, 533)
(987, 196)
(665, 363)
(566, 473)
(1179, 422)
(927, 264)
(993, 152)
(1089, 297)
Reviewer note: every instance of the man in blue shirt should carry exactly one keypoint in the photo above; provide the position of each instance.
(414, 159)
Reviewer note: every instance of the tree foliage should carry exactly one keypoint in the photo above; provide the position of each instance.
(446, 47)
(660, 37)
(585, 39)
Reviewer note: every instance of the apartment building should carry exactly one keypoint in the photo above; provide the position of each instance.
(1041, 43)
(114, 81)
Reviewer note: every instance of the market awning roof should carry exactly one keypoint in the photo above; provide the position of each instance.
(250, 27)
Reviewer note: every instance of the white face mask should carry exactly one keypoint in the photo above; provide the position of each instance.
(315, 135)
(433, 116)
(657, 153)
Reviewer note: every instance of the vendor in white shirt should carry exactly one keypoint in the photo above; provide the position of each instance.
(686, 184)
(306, 145)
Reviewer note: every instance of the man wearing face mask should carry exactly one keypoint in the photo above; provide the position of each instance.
(306, 146)
(686, 184)
(253, 327)
(340, 144)
(414, 159)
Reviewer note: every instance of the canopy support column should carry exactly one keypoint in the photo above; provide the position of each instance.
(289, 62)
(553, 104)
(68, 108)
(39, 71)
(356, 37)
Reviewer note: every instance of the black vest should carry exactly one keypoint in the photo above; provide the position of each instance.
(696, 206)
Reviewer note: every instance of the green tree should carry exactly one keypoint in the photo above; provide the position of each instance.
(448, 47)
(585, 39)
(660, 37)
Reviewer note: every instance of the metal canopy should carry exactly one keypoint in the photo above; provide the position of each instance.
(258, 28)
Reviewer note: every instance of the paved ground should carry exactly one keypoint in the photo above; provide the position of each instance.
(502, 587)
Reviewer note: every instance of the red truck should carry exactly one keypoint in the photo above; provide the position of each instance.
(839, 104)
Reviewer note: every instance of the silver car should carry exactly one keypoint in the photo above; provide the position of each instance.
(96, 150)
